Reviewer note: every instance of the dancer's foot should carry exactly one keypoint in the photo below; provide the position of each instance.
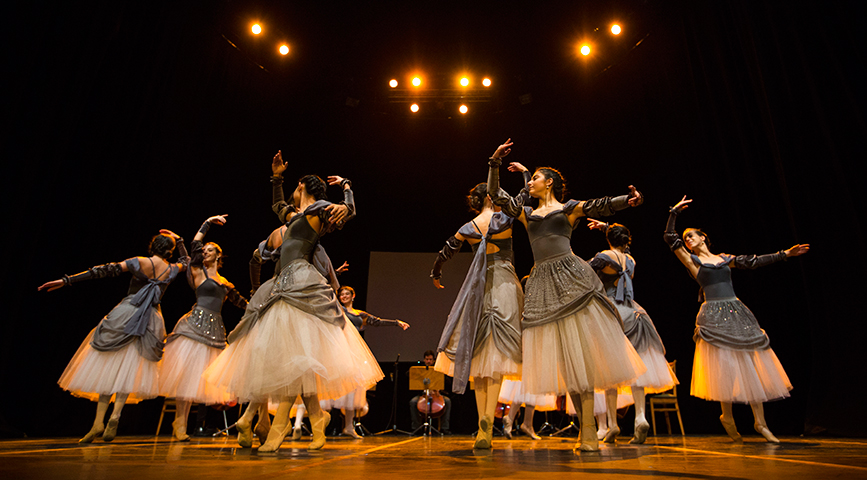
(110, 430)
(766, 433)
(641, 430)
(245, 433)
(318, 427)
(600, 434)
(591, 445)
(296, 433)
(350, 431)
(611, 436)
(94, 432)
(275, 438)
(486, 433)
(528, 431)
(263, 428)
(507, 427)
(731, 429)
(179, 430)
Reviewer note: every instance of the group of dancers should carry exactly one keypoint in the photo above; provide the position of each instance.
(575, 328)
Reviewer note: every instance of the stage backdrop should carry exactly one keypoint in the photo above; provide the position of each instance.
(399, 287)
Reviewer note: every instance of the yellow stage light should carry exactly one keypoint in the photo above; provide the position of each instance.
(257, 29)
(392, 83)
(414, 107)
(284, 49)
(585, 50)
(465, 81)
(463, 109)
(615, 29)
(486, 82)
(416, 81)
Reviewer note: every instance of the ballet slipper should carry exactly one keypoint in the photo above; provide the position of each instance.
(263, 428)
(318, 427)
(600, 434)
(641, 430)
(486, 433)
(245, 433)
(763, 430)
(350, 431)
(179, 430)
(110, 430)
(275, 438)
(296, 433)
(529, 432)
(731, 429)
(94, 432)
(611, 436)
(507, 427)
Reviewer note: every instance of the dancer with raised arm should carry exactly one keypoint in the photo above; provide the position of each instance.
(734, 362)
(573, 339)
(482, 337)
(120, 357)
(294, 343)
(199, 336)
(615, 268)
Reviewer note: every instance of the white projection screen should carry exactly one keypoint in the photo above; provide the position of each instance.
(399, 286)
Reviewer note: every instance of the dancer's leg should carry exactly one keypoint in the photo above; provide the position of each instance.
(602, 425)
(760, 425)
(483, 440)
(527, 424)
(319, 420)
(98, 422)
(179, 426)
(611, 412)
(349, 424)
(509, 420)
(589, 443)
(244, 424)
(263, 424)
(111, 428)
(641, 425)
(299, 420)
(279, 428)
(728, 421)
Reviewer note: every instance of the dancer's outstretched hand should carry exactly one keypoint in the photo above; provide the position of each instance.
(594, 224)
(402, 324)
(798, 249)
(682, 204)
(635, 197)
(335, 179)
(219, 219)
(342, 268)
(338, 213)
(51, 286)
(437, 283)
(503, 149)
(170, 233)
(278, 166)
(517, 167)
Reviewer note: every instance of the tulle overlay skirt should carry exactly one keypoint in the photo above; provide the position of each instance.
(355, 400)
(512, 392)
(488, 362)
(184, 363)
(92, 373)
(582, 352)
(658, 377)
(288, 352)
(737, 376)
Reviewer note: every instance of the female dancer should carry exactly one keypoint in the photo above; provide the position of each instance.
(200, 335)
(120, 357)
(294, 343)
(733, 358)
(573, 340)
(482, 337)
(512, 393)
(615, 268)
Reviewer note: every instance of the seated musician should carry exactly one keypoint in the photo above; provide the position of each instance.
(429, 360)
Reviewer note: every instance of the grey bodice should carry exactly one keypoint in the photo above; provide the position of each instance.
(140, 280)
(499, 224)
(550, 235)
(300, 239)
(715, 280)
(622, 290)
(210, 294)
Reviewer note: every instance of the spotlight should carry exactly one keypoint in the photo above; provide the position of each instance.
(465, 81)
(416, 81)
(284, 49)
(585, 50)
(486, 82)
(463, 109)
(615, 29)
(392, 83)
(257, 29)
(413, 108)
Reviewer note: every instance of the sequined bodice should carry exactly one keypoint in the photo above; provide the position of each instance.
(715, 279)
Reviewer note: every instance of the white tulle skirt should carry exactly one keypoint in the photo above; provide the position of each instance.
(582, 352)
(355, 400)
(488, 362)
(512, 392)
(658, 377)
(288, 353)
(184, 362)
(737, 376)
(92, 373)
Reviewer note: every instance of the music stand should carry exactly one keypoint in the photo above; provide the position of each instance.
(426, 378)
(393, 418)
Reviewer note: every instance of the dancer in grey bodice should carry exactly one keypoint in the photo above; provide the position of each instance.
(482, 336)
(120, 357)
(733, 360)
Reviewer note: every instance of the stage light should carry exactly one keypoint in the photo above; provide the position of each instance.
(463, 109)
(416, 81)
(257, 29)
(284, 49)
(585, 50)
(465, 81)
(615, 29)
(486, 82)
(392, 83)
(414, 108)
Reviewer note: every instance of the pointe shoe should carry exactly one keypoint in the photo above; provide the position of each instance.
(263, 428)
(110, 430)
(731, 429)
(507, 427)
(611, 436)
(319, 431)
(486, 433)
(93, 433)
(179, 431)
(529, 432)
(245, 433)
(641, 430)
(296, 433)
(763, 430)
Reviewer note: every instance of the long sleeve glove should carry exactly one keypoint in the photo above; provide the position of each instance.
(511, 206)
(605, 206)
(99, 271)
(756, 261)
(278, 203)
(256, 271)
(670, 236)
(237, 299)
(452, 246)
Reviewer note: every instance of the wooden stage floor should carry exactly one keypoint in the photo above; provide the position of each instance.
(445, 458)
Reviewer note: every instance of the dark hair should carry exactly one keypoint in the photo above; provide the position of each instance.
(618, 235)
(315, 186)
(558, 188)
(700, 233)
(347, 288)
(220, 251)
(162, 245)
(476, 198)
(430, 352)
